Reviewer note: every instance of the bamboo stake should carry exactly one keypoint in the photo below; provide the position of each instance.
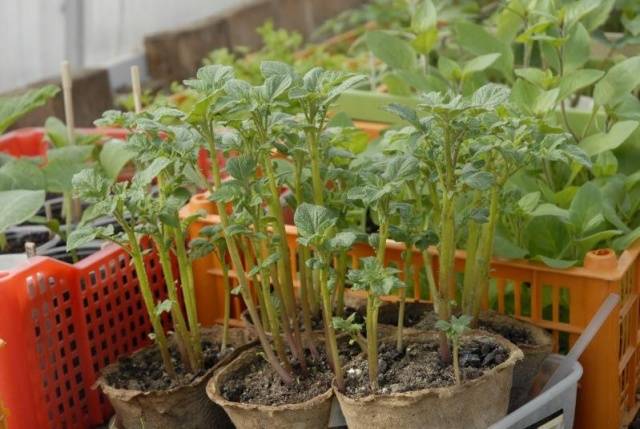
(136, 89)
(67, 93)
(71, 212)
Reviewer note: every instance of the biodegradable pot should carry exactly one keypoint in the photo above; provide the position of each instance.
(535, 352)
(476, 403)
(310, 414)
(184, 407)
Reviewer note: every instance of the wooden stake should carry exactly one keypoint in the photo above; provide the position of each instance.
(135, 87)
(30, 249)
(67, 93)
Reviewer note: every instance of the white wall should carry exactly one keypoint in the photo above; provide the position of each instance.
(33, 37)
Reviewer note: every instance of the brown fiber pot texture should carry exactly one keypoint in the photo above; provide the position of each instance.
(535, 353)
(183, 407)
(475, 404)
(311, 414)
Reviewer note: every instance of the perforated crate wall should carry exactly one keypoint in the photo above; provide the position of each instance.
(62, 324)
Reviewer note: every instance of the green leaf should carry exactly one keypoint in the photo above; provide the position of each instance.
(601, 142)
(504, 248)
(490, 96)
(210, 78)
(425, 41)
(529, 202)
(56, 131)
(81, 236)
(424, 17)
(560, 264)
(13, 108)
(312, 220)
(275, 68)
(18, 206)
(577, 49)
(59, 174)
(621, 79)
(342, 241)
(548, 209)
(577, 80)
(21, 174)
(624, 242)
(449, 69)
(392, 50)
(591, 241)
(242, 168)
(479, 64)
(585, 207)
(147, 175)
(477, 40)
(605, 165)
(114, 156)
(277, 85)
(533, 75)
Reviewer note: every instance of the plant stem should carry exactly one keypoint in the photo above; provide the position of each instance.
(183, 335)
(446, 274)
(456, 361)
(67, 204)
(147, 297)
(485, 252)
(316, 178)
(237, 264)
(270, 310)
(341, 273)
(427, 261)
(227, 303)
(372, 341)
(188, 292)
(246, 248)
(332, 344)
(470, 280)
(408, 280)
(284, 264)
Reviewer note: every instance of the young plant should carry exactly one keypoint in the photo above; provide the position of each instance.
(377, 280)
(317, 230)
(454, 329)
(212, 110)
(167, 154)
(378, 184)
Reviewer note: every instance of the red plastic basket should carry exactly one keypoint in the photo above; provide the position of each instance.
(62, 324)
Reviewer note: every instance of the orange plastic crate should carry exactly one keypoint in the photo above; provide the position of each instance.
(62, 324)
(561, 301)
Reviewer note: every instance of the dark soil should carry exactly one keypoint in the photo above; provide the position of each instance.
(419, 367)
(414, 313)
(518, 335)
(258, 383)
(17, 240)
(145, 370)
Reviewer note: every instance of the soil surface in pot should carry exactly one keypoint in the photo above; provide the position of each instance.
(419, 366)
(518, 335)
(258, 383)
(145, 372)
(17, 240)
